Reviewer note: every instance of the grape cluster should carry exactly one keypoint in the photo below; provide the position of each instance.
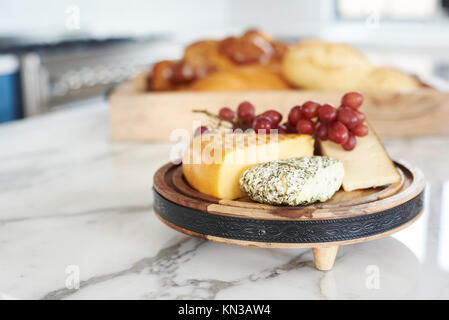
(341, 125)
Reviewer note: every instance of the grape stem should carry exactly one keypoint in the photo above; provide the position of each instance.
(212, 115)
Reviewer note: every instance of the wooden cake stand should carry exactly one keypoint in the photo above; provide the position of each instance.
(348, 217)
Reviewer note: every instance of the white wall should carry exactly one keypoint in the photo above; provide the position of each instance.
(183, 17)
(193, 19)
(113, 16)
(287, 17)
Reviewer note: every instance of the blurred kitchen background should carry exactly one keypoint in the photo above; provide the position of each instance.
(61, 54)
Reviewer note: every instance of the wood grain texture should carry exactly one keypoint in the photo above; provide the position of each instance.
(136, 115)
(325, 257)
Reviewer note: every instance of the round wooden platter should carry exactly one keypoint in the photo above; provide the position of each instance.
(348, 217)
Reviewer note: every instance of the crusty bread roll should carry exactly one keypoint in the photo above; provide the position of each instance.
(203, 58)
(204, 54)
(322, 65)
(254, 77)
(319, 65)
(159, 77)
(389, 79)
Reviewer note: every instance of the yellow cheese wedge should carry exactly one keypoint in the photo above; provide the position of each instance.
(367, 165)
(213, 163)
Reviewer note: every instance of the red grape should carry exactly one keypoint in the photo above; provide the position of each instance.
(350, 143)
(310, 109)
(226, 113)
(348, 117)
(246, 112)
(360, 131)
(274, 115)
(352, 100)
(338, 132)
(294, 115)
(305, 126)
(327, 113)
(360, 115)
(262, 122)
(288, 127)
(282, 130)
(200, 130)
(322, 132)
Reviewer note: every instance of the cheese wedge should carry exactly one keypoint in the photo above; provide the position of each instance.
(213, 163)
(366, 166)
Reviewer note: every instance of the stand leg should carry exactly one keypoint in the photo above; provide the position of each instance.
(324, 257)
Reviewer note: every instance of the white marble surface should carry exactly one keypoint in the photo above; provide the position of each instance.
(70, 197)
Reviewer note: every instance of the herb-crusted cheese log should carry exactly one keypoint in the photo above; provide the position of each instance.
(296, 181)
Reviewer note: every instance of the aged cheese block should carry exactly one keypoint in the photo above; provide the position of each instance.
(213, 163)
(367, 165)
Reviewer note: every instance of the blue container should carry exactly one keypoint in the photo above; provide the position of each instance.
(10, 105)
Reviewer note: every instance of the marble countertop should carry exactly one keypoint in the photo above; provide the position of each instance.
(75, 206)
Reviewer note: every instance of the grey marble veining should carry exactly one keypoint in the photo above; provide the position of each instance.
(69, 197)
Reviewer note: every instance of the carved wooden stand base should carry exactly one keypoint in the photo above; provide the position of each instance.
(349, 217)
(324, 257)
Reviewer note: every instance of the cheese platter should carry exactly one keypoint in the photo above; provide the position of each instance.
(320, 180)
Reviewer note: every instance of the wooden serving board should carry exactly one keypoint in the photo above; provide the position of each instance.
(136, 115)
(348, 217)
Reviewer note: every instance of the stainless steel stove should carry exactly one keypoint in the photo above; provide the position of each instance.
(55, 73)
